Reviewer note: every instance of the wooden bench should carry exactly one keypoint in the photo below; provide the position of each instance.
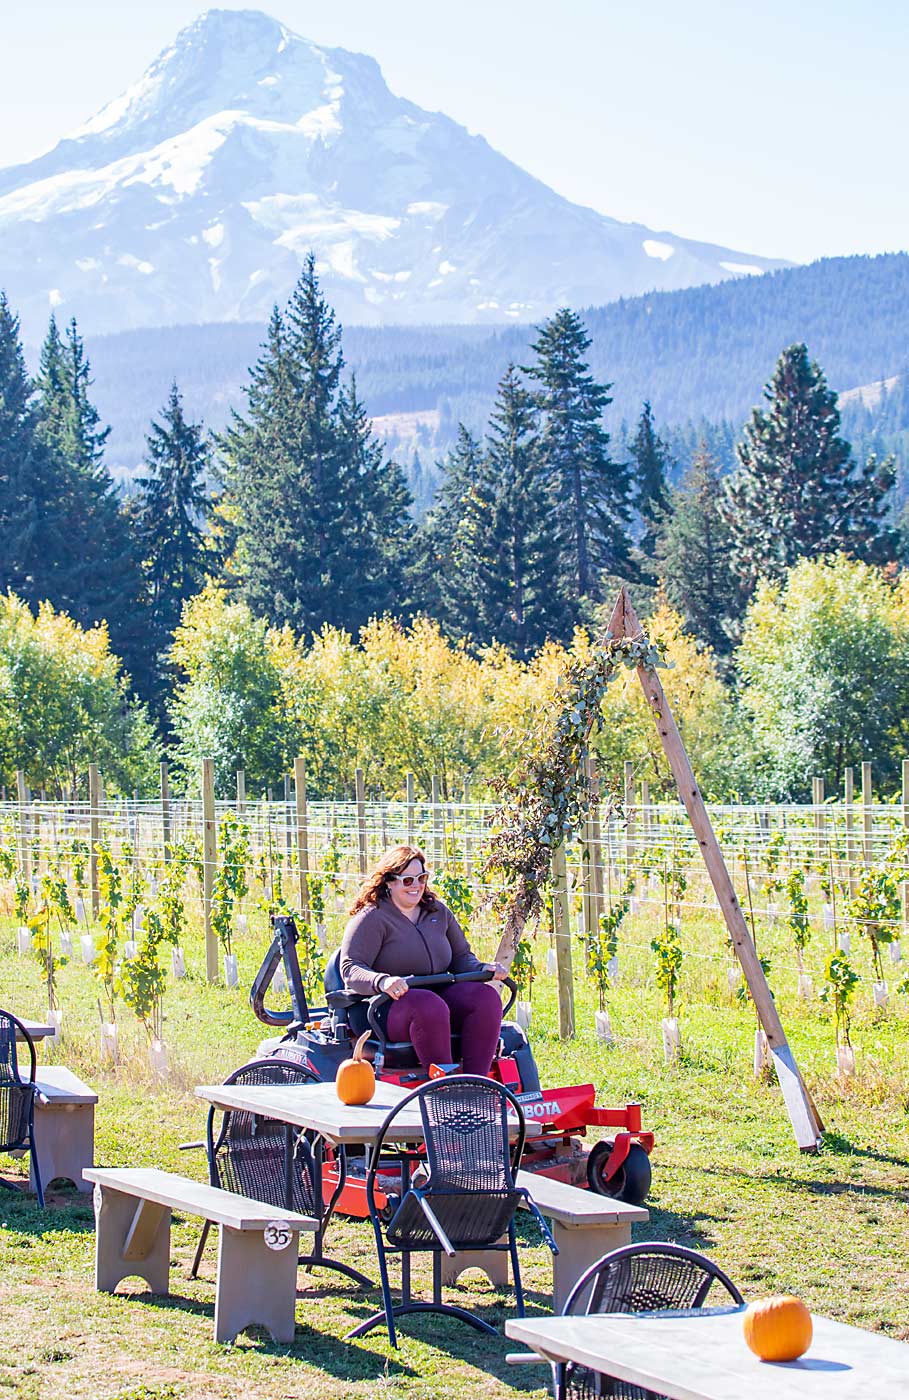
(64, 1127)
(585, 1226)
(257, 1248)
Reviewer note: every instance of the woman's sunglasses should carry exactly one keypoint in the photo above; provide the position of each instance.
(408, 881)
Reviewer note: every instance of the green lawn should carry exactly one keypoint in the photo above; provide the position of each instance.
(728, 1179)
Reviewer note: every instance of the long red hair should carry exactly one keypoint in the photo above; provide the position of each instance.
(394, 862)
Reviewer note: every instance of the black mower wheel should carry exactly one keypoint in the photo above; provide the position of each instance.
(630, 1183)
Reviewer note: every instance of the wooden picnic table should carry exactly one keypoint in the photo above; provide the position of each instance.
(316, 1107)
(703, 1356)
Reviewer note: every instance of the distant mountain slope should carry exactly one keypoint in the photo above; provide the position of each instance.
(195, 196)
(701, 353)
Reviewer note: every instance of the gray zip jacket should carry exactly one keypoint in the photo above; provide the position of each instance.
(380, 941)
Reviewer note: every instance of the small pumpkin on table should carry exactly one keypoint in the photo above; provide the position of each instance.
(778, 1329)
(356, 1081)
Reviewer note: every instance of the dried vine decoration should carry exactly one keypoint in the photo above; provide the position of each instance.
(546, 797)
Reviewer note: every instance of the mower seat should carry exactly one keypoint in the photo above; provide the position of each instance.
(399, 1054)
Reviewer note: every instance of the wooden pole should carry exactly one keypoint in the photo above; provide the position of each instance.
(25, 854)
(848, 805)
(817, 800)
(803, 1115)
(562, 928)
(409, 802)
(361, 820)
(94, 832)
(165, 812)
(468, 839)
(436, 799)
(288, 836)
(905, 884)
(302, 836)
(629, 817)
(596, 844)
(209, 865)
(241, 791)
(645, 809)
(867, 815)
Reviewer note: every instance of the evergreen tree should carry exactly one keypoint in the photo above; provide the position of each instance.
(797, 492)
(315, 524)
(441, 582)
(516, 542)
(169, 515)
(592, 492)
(694, 555)
(90, 565)
(651, 491)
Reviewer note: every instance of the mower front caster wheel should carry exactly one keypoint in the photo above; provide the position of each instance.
(630, 1183)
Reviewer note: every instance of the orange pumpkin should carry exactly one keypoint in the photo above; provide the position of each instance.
(778, 1329)
(356, 1081)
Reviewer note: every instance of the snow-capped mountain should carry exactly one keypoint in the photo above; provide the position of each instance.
(195, 196)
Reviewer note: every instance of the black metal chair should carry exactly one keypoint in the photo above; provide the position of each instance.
(17, 1096)
(456, 1193)
(257, 1157)
(636, 1278)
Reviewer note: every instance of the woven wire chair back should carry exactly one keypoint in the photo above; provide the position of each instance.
(250, 1153)
(655, 1279)
(465, 1124)
(16, 1094)
(639, 1278)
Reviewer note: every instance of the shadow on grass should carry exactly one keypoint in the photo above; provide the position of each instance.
(65, 1209)
(690, 1228)
(839, 1145)
(818, 1187)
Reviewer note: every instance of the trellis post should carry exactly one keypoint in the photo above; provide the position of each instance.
(409, 803)
(209, 864)
(629, 816)
(905, 885)
(94, 833)
(165, 812)
(803, 1115)
(848, 802)
(302, 835)
(241, 791)
(867, 814)
(360, 785)
(24, 847)
(562, 930)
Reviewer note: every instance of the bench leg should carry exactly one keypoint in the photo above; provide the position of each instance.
(493, 1263)
(579, 1247)
(132, 1237)
(65, 1139)
(257, 1286)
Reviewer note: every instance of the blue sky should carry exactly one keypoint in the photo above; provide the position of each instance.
(775, 128)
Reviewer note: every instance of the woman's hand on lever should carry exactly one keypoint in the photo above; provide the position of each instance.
(497, 970)
(394, 987)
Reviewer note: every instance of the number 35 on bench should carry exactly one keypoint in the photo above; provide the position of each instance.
(257, 1248)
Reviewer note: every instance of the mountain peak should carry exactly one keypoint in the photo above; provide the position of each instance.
(196, 194)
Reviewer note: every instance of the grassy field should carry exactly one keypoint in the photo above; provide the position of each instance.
(728, 1179)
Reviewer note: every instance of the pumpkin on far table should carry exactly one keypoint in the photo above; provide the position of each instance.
(778, 1329)
(356, 1081)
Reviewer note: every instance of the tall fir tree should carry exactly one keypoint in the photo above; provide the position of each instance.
(517, 544)
(96, 571)
(442, 584)
(650, 456)
(318, 531)
(593, 492)
(694, 555)
(797, 493)
(169, 513)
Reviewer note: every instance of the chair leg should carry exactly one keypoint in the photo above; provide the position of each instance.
(516, 1270)
(387, 1305)
(200, 1249)
(36, 1170)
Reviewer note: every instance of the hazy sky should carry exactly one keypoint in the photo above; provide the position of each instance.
(774, 128)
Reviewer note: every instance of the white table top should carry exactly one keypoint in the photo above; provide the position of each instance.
(318, 1107)
(36, 1030)
(705, 1357)
(55, 1084)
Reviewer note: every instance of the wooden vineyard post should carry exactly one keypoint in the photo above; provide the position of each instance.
(867, 814)
(848, 805)
(629, 816)
(209, 865)
(817, 799)
(436, 799)
(165, 812)
(803, 1115)
(645, 811)
(302, 836)
(596, 844)
(409, 806)
(904, 888)
(562, 925)
(361, 820)
(468, 842)
(25, 854)
(94, 832)
(241, 791)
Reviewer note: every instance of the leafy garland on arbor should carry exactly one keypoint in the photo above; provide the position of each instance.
(546, 797)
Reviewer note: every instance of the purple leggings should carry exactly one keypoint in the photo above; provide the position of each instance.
(427, 1018)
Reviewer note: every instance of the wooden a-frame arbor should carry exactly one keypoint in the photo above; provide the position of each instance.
(806, 1121)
